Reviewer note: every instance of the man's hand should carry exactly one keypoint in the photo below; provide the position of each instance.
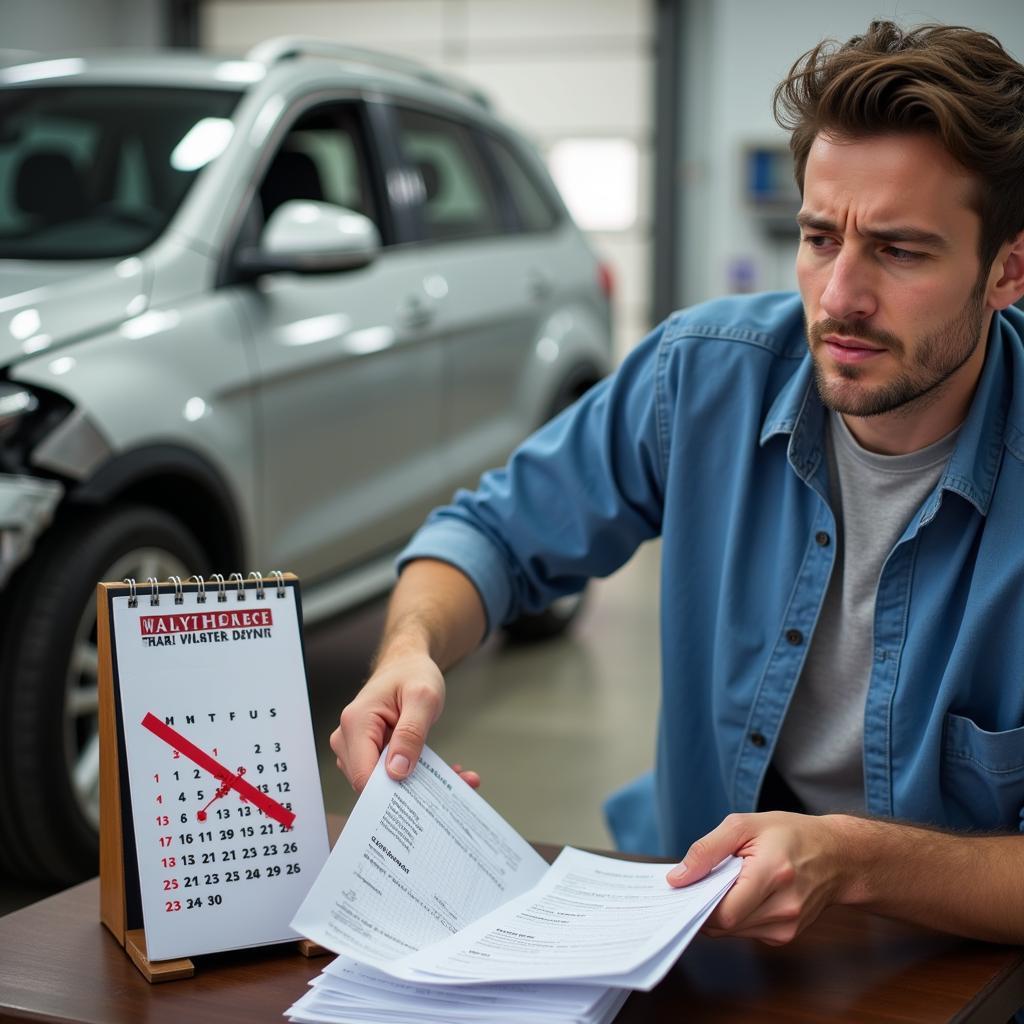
(795, 865)
(398, 705)
(435, 617)
(791, 871)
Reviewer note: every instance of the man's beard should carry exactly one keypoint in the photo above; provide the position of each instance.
(937, 357)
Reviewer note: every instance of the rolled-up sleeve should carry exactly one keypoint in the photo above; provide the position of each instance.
(574, 501)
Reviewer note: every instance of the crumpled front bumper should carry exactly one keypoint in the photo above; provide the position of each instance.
(27, 505)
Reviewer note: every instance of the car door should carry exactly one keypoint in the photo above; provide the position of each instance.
(349, 375)
(483, 290)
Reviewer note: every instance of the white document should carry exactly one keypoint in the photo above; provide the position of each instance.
(417, 861)
(444, 914)
(349, 991)
(428, 884)
(591, 918)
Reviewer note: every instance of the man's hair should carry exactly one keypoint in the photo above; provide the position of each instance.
(948, 81)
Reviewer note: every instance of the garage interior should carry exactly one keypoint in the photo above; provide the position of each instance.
(670, 95)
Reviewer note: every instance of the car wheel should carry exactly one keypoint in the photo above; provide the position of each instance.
(553, 621)
(49, 754)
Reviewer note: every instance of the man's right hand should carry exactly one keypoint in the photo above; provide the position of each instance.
(435, 617)
(398, 705)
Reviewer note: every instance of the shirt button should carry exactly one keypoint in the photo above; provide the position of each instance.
(794, 636)
(757, 739)
(822, 538)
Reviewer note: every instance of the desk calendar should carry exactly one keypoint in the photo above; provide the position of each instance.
(208, 763)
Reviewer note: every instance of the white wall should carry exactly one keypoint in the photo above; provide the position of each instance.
(739, 50)
(554, 68)
(55, 26)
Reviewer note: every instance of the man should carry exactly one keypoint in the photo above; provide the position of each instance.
(838, 481)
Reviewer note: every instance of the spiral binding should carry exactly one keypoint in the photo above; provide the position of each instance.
(236, 579)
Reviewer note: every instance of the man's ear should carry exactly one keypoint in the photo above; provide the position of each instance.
(1006, 278)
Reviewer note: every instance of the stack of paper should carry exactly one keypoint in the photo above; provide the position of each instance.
(441, 911)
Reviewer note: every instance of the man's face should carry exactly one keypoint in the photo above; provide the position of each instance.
(889, 273)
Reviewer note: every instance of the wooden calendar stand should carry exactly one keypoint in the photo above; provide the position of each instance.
(120, 900)
(113, 896)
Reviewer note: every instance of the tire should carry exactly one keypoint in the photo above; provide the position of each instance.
(551, 622)
(49, 763)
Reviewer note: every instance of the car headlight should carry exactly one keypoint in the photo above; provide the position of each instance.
(27, 415)
(15, 403)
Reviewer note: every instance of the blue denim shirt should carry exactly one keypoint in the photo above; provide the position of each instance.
(710, 435)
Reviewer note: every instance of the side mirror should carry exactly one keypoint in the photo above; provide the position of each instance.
(308, 237)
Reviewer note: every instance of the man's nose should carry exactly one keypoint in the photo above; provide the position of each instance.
(850, 292)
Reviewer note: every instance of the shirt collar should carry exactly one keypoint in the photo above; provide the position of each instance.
(797, 411)
(974, 464)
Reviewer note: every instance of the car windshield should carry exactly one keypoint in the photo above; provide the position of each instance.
(98, 171)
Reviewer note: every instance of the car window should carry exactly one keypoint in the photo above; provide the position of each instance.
(322, 157)
(95, 171)
(458, 199)
(534, 208)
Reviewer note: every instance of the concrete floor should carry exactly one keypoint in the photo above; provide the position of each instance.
(551, 728)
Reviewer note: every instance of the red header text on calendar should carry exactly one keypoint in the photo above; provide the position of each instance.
(161, 625)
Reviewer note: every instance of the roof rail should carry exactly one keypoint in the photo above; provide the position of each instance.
(272, 51)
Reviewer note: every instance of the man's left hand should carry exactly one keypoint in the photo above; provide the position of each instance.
(791, 872)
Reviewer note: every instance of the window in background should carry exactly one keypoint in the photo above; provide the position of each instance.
(535, 210)
(457, 197)
(598, 179)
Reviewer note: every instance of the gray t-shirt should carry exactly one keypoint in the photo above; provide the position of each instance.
(819, 753)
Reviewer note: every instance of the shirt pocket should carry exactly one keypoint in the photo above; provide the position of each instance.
(983, 775)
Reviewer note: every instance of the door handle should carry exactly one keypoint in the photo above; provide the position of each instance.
(538, 284)
(415, 312)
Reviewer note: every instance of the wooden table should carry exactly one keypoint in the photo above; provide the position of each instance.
(58, 963)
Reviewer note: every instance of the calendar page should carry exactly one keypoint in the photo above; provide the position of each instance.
(226, 803)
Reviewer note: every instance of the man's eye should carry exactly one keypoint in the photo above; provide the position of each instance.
(902, 255)
(817, 241)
